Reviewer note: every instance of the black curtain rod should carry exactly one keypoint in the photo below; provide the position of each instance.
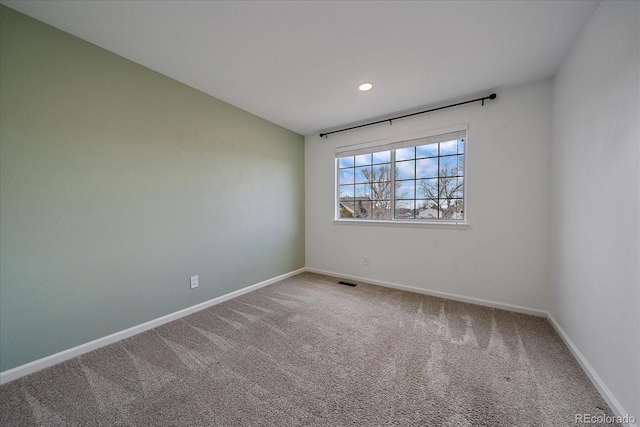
(492, 96)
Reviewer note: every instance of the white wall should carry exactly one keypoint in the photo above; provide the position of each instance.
(595, 193)
(502, 256)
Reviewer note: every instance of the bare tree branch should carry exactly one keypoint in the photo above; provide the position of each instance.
(444, 193)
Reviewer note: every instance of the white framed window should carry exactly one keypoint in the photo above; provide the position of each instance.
(418, 179)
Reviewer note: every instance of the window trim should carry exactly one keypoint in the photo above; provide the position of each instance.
(394, 143)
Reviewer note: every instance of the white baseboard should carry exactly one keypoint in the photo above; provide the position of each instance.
(439, 294)
(613, 403)
(591, 373)
(54, 359)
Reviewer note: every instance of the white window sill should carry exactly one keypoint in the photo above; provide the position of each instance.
(404, 223)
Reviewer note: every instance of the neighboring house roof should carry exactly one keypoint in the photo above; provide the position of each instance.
(366, 210)
(349, 203)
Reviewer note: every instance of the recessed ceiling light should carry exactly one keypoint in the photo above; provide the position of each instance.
(365, 86)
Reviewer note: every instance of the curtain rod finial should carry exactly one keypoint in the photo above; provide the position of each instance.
(493, 96)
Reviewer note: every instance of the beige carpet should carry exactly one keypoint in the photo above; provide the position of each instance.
(308, 351)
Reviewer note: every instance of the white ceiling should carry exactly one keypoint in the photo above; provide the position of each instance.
(298, 63)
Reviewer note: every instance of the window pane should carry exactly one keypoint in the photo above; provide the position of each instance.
(405, 209)
(345, 162)
(449, 147)
(461, 145)
(363, 174)
(381, 209)
(346, 209)
(381, 190)
(405, 153)
(430, 150)
(449, 166)
(381, 172)
(427, 189)
(346, 176)
(406, 169)
(405, 190)
(347, 191)
(427, 209)
(362, 209)
(449, 187)
(363, 190)
(382, 157)
(363, 159)
(452, 209)
(427, 168)
(458, 189)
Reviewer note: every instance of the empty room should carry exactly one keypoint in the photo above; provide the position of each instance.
(324, 213)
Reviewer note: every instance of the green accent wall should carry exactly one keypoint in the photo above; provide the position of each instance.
(117, 184)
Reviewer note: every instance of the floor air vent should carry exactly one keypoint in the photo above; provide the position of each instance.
(347, 284)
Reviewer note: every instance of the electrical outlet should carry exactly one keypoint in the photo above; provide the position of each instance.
(195, 282)
(365, 261)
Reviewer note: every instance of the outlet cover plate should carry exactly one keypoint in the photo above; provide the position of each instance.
(195, 282)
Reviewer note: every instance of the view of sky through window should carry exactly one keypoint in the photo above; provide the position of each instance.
(421, 182)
